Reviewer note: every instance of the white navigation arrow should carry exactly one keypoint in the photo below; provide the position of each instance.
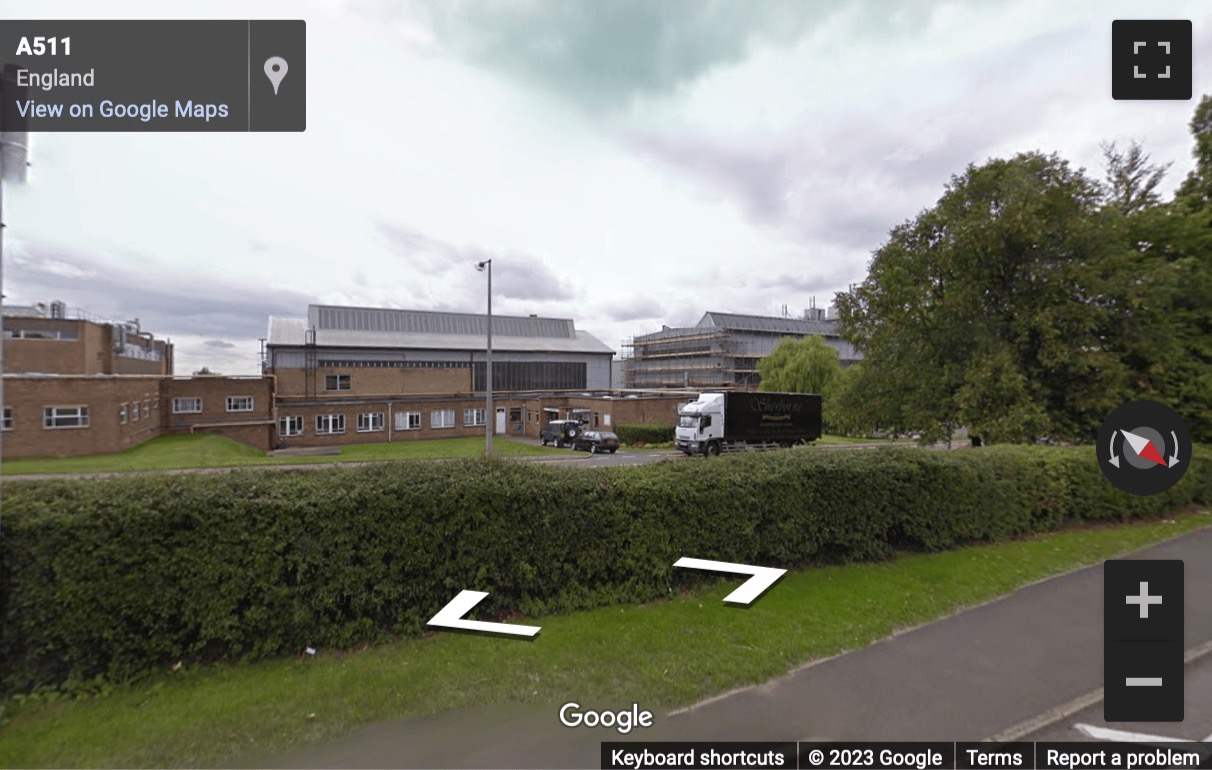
(451, 616)
(762, 577)
(1114, 457)
(1174, 454)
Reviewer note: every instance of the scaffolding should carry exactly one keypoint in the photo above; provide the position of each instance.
(709, 356)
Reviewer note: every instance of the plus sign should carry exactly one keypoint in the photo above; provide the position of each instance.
(1144, 600)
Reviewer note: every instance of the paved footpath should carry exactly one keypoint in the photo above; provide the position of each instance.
(1010, 669)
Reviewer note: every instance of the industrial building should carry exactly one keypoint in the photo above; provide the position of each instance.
(75, 384)
(350, 375)
(722, 350)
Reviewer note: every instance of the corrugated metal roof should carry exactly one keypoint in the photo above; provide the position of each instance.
(287, 331)
(757, 323)
(366, 319)
(293, 331)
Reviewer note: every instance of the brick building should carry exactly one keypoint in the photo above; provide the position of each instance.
(360, 375)
(78, 385)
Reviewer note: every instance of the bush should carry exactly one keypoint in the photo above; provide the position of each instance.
(107, 579)
(644, 434)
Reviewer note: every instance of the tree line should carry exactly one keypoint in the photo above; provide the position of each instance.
(1029, 301)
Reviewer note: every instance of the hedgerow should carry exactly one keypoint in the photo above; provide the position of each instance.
(644, 434)
(104, 580)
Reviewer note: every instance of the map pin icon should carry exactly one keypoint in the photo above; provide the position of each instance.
(275, 70)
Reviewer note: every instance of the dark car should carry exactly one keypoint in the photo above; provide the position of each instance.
(561, 432)
(597, 441)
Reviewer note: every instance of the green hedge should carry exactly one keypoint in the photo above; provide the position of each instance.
(112, 578)
(644, 434)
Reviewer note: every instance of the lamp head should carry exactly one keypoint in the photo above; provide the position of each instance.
(481, 265)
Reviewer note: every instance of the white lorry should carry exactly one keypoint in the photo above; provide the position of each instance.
(721, 422)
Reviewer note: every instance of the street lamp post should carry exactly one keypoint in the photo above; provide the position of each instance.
(488, 415)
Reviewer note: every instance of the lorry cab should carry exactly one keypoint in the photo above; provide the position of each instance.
(700, 424)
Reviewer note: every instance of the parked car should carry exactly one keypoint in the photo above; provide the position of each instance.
(561, 432)
(596, 441)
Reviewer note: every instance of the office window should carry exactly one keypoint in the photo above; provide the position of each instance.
(122, 414)
(408, 420)
(370, 421)
(65, 417)
(442, 418)
(239, 403)
(134, 411)
(337, 382)
(330, 423)
(146, 409)
(8, 418)
(290, 426)
(187, 405)
(473, 417)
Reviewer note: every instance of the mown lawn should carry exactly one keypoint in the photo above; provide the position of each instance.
(212, 451)
(663, 654)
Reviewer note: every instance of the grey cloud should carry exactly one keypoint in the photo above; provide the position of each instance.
(528, 278)
(218, 344)
(633, 309)
(806, 283)
(849, 186)
(167, 304)
(422, 253)
(602, 55)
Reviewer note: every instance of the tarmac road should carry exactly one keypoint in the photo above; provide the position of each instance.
(1088, 724)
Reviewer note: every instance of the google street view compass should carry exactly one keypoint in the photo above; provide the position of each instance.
(1144, 448)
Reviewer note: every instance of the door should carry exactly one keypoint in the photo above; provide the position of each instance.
(500, 419)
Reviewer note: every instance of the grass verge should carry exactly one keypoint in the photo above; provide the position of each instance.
(213, 451)
(662, 655)
(830, 438)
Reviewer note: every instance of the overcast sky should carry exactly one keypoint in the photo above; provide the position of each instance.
(625, 164)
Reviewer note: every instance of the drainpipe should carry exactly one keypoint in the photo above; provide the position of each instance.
(389, 421)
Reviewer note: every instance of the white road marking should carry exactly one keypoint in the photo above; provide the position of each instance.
(1123, 736)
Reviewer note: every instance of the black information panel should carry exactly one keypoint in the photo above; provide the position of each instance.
(1143, 640)
(153, 75)
(932, 755)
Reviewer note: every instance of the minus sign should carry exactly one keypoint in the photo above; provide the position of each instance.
(1143, 681)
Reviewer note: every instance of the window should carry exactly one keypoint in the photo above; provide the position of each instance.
(370, 421)
(65, 417)
(187, 405)
(134, 411)
(146, 409)
(408, 420)
(473, 417)
(122, 414)
(290, 426)
(239, 403)
(330, 423)
(336, 382)
(442, 418)
(8, 418)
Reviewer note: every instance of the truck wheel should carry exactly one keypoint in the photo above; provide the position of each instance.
(593, 449)
(713, 449)
(572, 432)
(545, 442)
(559, 444)
(612, 451)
